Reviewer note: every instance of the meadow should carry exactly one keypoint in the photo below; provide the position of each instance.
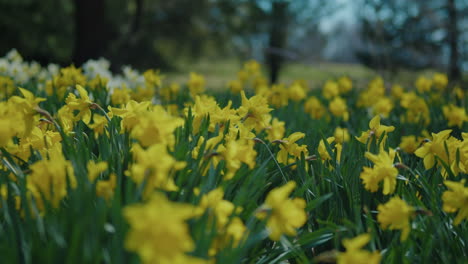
(139, 167)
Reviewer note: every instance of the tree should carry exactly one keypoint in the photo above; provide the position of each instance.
(39, 30)
(277, 38)
(272, 25)
(91, 30)
(452, 29)
(412, 34)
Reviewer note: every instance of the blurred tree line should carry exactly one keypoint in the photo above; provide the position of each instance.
(154, 33)
(393, 34)
(144, 33)
(415, 34)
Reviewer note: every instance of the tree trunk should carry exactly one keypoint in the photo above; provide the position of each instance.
(90, 30)
(137, 17)
(277, 41)
(454, 66)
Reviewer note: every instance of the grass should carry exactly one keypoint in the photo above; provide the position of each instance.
(219, 71)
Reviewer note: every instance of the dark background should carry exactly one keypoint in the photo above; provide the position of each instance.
(387, 35)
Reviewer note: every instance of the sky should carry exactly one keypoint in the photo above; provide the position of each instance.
(346, 12)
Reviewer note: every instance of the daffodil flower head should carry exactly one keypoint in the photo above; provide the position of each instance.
(236, 153)
(395, 215)
(314, 108)
(383, 171)
(456, 116)
(50, 179)
(341, 135)
(289, 147)
(81, 104)
(330, 90)
(158, 231)
(345, 84)
(297, 92)
(275, 130)
(196, 84)
(26, 106)
(434, 148)
(254, 112)
(456, 199)
(284, 214)
(339, 108)
(355, 254)
(375, 130)
(154, 167)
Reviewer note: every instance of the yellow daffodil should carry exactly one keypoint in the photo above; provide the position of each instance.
(276, 130)
(440, 81)
(314, 108)
(456, 199)
(278, 95)
(423, 84)
(235, 86)
(130, 114)
(288, 146)
(196, 84)
(409, 144)
(374, 91)
(341, 135)
(252, 68)
(153, 79)
(7, 87)
(345, 84)
(355, 254)
(94, 169)
(417, 112)
(211, 143)
(50, 179)
(397, 91)
(383, 170)
(204, 106)
(158, 231)
(395, 214)
(27, 106)
(156, 127)
(236, 152)
(330, 90)
(297, 92)
(39, 140)
(339, 108)
(222, 209)
(383, 107)
(254, 112)
(68, 77)
(106, 188)
(456, 116)
(322, 150)
(120, 96)
(99, 124)
(375, 130)
(284, 214)
(153, 167)
(434, 148)
(80, 104)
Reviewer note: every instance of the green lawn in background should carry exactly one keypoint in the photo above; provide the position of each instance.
(218, 72)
